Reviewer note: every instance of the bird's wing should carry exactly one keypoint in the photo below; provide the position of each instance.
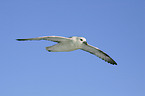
(50, 38)
(98, 53)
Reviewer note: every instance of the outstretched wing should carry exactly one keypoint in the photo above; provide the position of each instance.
(50, 38)
(98, 53)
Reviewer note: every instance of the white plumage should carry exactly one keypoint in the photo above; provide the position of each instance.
(73, 43)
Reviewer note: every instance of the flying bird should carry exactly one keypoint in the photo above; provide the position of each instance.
(72, 43)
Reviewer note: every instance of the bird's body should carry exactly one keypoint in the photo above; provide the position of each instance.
(62, 47)
(72, 43)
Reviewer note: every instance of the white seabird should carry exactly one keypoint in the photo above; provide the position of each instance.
(73, 43)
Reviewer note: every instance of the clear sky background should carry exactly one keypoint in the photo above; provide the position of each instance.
(115, 26)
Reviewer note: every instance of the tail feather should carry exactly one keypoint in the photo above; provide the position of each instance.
(48, 48)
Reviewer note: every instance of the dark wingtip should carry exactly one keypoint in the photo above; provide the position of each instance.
(111, 62)
(20, 39)
(114, 63)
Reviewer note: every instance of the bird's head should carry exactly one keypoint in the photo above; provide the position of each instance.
(80, 39)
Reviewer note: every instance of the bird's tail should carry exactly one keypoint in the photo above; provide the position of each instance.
(48, 48)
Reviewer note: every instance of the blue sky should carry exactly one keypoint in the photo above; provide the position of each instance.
(115, 26)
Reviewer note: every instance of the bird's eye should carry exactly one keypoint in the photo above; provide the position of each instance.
(81, 39)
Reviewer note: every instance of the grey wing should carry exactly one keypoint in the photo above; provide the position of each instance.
(98, 53)
(50, 38)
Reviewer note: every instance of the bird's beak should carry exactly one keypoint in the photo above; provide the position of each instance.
(85, 43)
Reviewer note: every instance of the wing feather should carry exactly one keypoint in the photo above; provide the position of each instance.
(98, 53)
(49, 38)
